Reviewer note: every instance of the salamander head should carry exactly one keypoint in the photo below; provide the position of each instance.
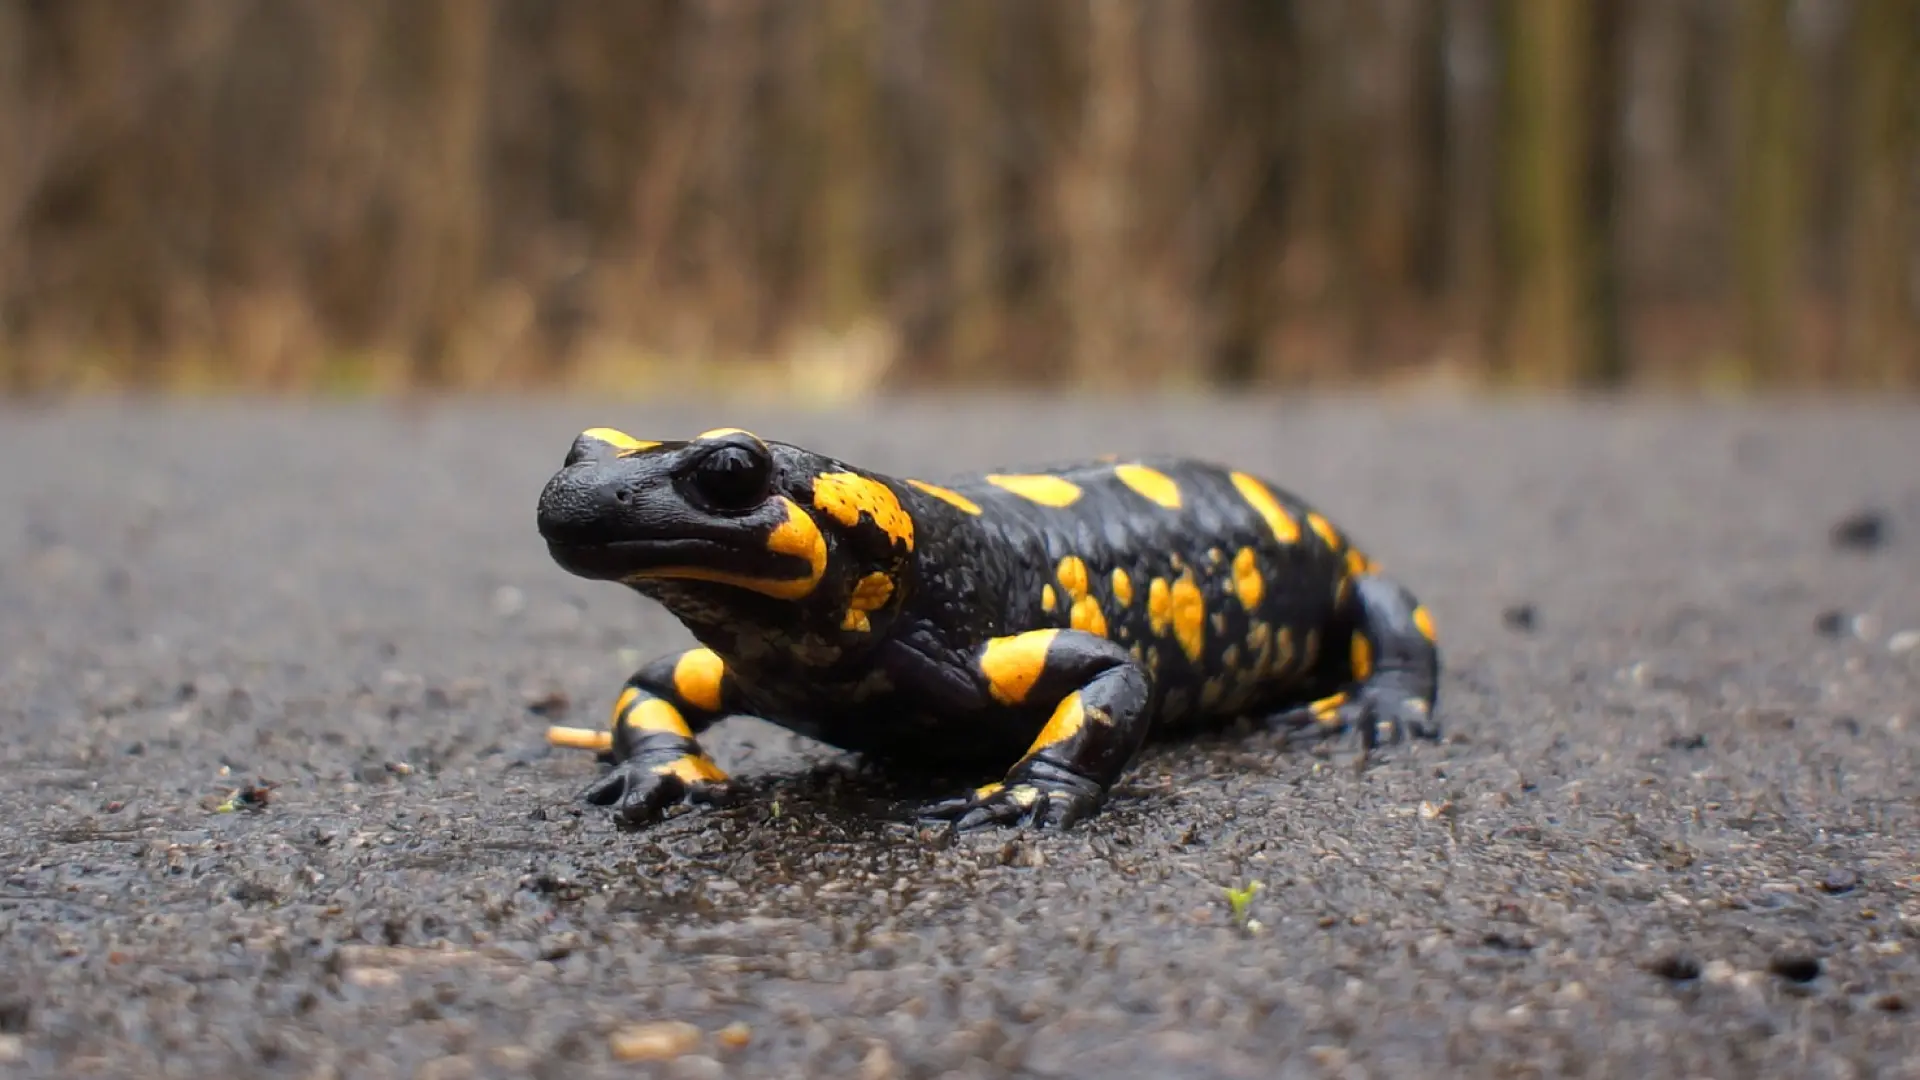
(712, 509)
(691, 522)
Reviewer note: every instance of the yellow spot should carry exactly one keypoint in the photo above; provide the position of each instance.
(1248, 585)
(1259, 638)
(1013, 664)
(1424, 622)
(1087, 616)
(871, 594)
(693, 769)
(1359, 565)
(1327, 709)
(620, 440)
(656, 714)
(1023, 795)
(1047, 599)
(1283, 653)
(947, 495)
(1362, 656)
(575, 738)
(1150, 483)
(1073, 576)
(988, 790)
(624, 702)
(798, 536)
(722, 432)
(847, 495)
(1159, 605)
(1189, 616)
(1212, 691)
(1122, 587)
(1285, 529)
(1067, 720)
(696, 677)
(1326, 530)
(1045, 490)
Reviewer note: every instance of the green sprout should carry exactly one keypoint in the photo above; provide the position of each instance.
(1241, 901)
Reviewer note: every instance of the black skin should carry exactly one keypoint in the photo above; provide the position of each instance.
(914, 686)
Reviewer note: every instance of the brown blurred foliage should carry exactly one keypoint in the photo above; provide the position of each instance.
(832, 195)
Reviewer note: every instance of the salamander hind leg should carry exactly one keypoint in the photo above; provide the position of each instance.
(1097, 704)
(1391, 671)
(656, 760)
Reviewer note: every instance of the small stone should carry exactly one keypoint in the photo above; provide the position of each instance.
(1862, 530)
(734, 1036)
(1904, 641)
(373, 978)
(1718, 972)
(513, 1058)
(549, 704)
(1839, 880)
(1675, 968)
(1892, 1003)
(1794, 967)
(508, 601)
(696, 1067)
(13, 1048)
(451, 1067)
(879, 1063)
(659, 1041)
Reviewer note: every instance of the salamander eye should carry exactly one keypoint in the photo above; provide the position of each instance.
(732, 478)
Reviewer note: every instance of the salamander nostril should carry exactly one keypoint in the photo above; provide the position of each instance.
(620, 494)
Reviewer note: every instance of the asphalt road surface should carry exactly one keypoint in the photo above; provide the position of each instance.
(274, 681)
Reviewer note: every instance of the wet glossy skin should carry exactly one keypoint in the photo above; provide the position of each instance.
(1032, 626)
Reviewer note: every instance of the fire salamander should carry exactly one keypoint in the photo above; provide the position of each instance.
(1030, 626)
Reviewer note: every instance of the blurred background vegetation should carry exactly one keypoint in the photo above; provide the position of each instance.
(832, 196)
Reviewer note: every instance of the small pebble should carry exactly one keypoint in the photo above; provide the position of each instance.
(451, 1067)
(13, 1048)
(373, 978)
(696, 1067)
(1795, 968)
(734, 1035)
(658, 1041)
(1839, 881)
(1863, 530)
(1676, 968)
(879, 1063)
(1904, 641)
(508, 601)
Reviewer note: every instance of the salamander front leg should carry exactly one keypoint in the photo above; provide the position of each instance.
(656, 760)
(1096, 700)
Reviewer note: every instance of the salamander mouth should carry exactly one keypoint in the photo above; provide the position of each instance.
(617, 560)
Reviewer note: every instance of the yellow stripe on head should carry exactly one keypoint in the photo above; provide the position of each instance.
(619, 440)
